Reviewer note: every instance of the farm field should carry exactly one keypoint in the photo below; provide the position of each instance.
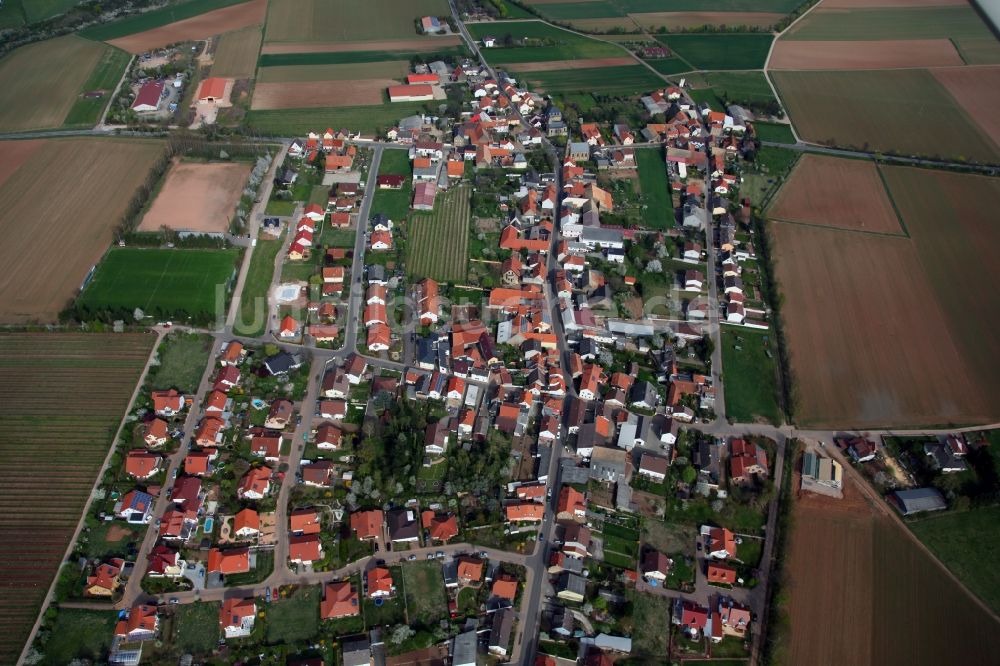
(721, 51)
(854, 55)
(774, 132)
(67, 65)
(977, 91)
(369, 120)
(46, 264)
(831, 192)
(86, 111)
(62, 396)
(343, 20)
(695, 19)
(954, 22)
(382, 69)
(15, 13)
(751, 375)
(745, 88)
(658, 212)
(669, 66)
(251, 319)
(236, 55)
(159, 18)
(267, 60)
(196, 196)
(327, 95)
(864, 566)
(628, 80)
(418, 44)
(564, 45)
(439, 242)
(163, 283)
(722, 6)
(962, 541)
(891, 110)
(200, 26)
(588, 63)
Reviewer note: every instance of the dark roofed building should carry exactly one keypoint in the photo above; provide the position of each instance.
(918, 500)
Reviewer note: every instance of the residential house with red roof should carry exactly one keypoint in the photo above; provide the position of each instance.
(367, 524)
(167, 403)
(304, 549)
(339, 600)
(255, 484)
(230, 561)
(237, 617)
(380, 583)
(105, 580)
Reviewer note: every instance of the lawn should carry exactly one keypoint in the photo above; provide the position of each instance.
(964, 541)
(620, 80)
(87, 111)
(295, 618)
(439, 242)
(774, 132)
(394, 204)
(657, 212)
(252, 316)
(163, 283)
(426, 602)
(620, 531)
(80, 634)
(280, 208)
(721, 51)
(195, 628)
(650, 615)
(750, 376)
(369, 120)
(749, 551)
(619, 545)
(263, 567)
(391, 611)
(182, 359)
(617, 559)
(154, 19)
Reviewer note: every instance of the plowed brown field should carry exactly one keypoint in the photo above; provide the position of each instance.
(319, 94)
(202, 26)
(54, 227)
(15, 153)
(832, 192)
(883, 54)
(977, 90)
(197, 197)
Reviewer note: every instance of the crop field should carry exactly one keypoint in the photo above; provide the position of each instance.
(62, 396)
(831, 192)
(626, 80)
(197, 196)
(544, 43)
(738, 88)
(405, 47)
(344, 20)
(66, 64)
(163, 283)
(320, 94)
(659, 211)
(346, 57)
(695, 19)
(979, 50)
(366, 119)
(156, 19)
(866, 569)
(751, 375)
(721, 51)
(891, 110)
(236, 55)
(977, 90)
(86, 111)
(15, 13)
(586, 63)
(571, 11)
(852, 55)
(439, 242)
(383, 69)
(774, 6)
(774, 132)
(957, 22)
(47, 263)
(669, 66)
(200, 26)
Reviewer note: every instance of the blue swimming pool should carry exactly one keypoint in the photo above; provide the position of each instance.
(257, 403)
(209, 524)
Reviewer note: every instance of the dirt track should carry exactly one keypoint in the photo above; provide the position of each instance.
(551, 65)
(319, 94)
(852, 55)
(846, 194)
(425, 44)
(202, 26)
(977, 90)
(197, 197)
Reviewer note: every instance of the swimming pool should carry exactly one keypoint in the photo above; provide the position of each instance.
(257, 403)
(209, 524)
(286, 293)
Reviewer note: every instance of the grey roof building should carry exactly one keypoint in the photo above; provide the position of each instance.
(356, 652)
(918, 500)
(463, 649)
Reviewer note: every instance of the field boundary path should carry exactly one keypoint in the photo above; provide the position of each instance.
(99, 477)
(104, 116)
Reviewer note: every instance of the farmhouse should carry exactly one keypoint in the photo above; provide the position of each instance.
(148, 99)
(411, 93)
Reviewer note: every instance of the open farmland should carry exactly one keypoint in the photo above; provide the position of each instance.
(535, 41)
(832, 192)
(15, 13)
(196, 196)
(383, 69)
(626, 80)
(977, 90)
(86, 111)
(163, 283)
(326, 95)
(315, 58)
(201, 26)
(46, 263)
(202, 13)
(721, 51)
(746, 88)
(890, 110)
(752, 393)
(956, 22)
(696, 19)
(43, 81)
(62, 396)
(406, 47)
(801, 55)
(366, 119)
(345, 20)
(900, 606)
(439, 242)
(236, 55)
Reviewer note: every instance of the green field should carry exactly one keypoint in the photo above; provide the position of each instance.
(439, 242)
(637, 6)
(889, 110)
(195, 628)
(154, 19)
(751, 378)
(80, 634)
(567, 11)
(774, 132)
(295, 618)
(958, 22)
(349, 57)
(744, 88)
(426, 602)
(625, 80)
(546, 42)
(395, 204)
(107, 73)
(367, 119)
(383, 69)
(182, 358)
(15, 13)
(252, 316)
(163, 283)
(669, 66)
(658, 212)
(650, 615)
(721, 51)
(347, 20)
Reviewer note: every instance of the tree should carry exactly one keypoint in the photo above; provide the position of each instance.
(400, 634)
(654, 266)
(689, 475)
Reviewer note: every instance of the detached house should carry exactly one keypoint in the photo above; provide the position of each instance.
(237, 617)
